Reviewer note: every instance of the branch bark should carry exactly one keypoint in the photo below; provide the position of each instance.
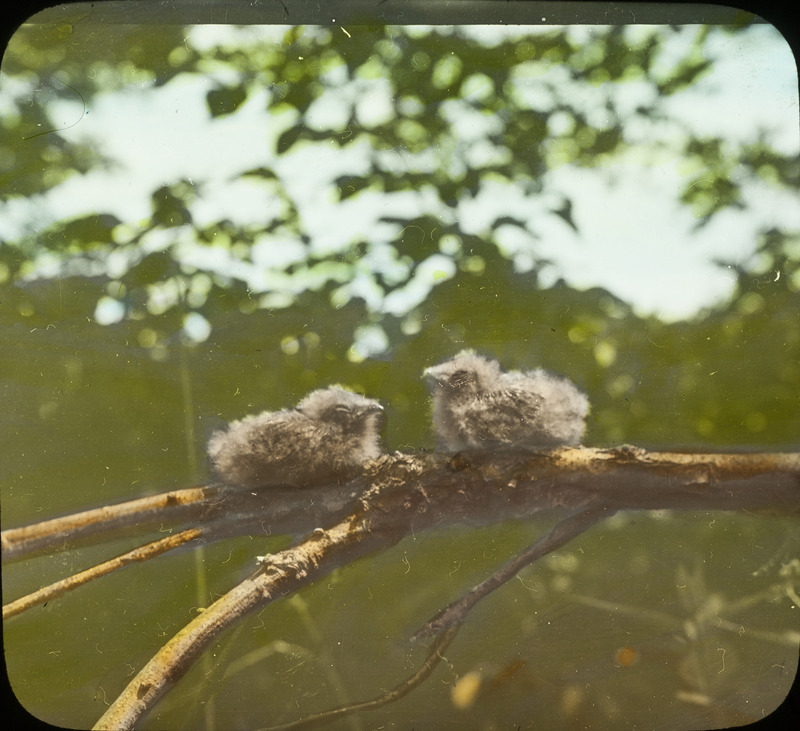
(192, 503)
(480, 485)
(398, 493)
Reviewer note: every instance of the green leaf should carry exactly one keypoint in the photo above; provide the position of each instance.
(86, 233)
(170, 209)
(153, 268)
(350, 185)
(226, 100)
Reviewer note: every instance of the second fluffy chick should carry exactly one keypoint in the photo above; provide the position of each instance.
(476, 405)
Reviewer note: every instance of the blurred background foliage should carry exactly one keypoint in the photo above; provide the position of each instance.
(204, 327)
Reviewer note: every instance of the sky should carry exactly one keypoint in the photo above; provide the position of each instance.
(633, 238)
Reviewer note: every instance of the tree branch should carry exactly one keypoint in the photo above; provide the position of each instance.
(142, 553)
(455, 613)
(283, 573)
(484, 488)
(192, 503)
(435, 656)
(400, 493)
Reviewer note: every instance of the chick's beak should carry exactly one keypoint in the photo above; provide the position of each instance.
(434, 373)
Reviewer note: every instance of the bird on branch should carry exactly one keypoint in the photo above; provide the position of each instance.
(325, 438)
(477, 405)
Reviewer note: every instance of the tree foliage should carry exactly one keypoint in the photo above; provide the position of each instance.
(428, 119)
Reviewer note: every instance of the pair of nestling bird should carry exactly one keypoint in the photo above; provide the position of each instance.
(332, 432)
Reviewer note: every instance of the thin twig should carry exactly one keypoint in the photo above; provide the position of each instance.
(447, 623)
(183, 504)
(142, 553)
(435, 655)
(564, 531)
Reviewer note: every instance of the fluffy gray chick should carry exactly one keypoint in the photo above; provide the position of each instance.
(326, 438)
(478, 406)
